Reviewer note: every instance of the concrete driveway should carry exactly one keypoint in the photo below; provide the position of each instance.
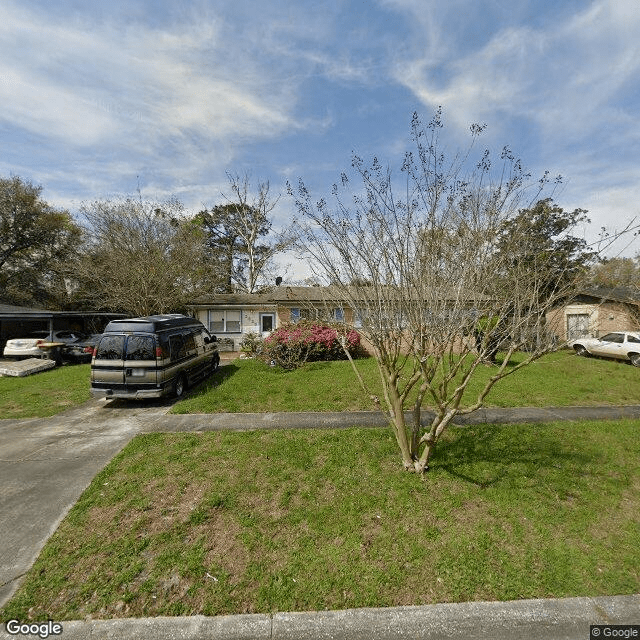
(45, 464)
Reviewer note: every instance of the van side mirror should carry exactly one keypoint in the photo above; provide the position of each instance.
(208, 339)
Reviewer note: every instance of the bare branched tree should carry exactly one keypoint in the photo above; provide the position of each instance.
(238, 235)
(432, 267)
(140, 257)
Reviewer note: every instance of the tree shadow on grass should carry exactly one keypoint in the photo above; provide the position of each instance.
(225, 372)
(489, 454)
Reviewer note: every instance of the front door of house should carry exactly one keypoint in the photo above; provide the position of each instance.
(267, 323)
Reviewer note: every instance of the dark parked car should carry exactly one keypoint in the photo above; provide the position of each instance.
(82, 349)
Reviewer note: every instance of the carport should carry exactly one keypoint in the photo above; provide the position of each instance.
(17, 322)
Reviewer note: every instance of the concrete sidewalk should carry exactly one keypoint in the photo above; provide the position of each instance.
(346, 419)
(45, 464)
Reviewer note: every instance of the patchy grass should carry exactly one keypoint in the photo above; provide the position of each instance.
(559, 379)
(44, 394)
(221, 523)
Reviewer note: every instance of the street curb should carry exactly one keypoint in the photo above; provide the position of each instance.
(565, 618)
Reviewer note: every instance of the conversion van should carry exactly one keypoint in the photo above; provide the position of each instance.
(151, 357)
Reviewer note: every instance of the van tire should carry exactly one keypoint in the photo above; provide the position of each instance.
(216, 363)
(180, 386)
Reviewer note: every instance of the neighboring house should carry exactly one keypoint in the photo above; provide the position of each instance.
(232, 316)
(595, 312)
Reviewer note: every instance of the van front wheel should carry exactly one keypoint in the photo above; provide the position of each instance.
(180, 386)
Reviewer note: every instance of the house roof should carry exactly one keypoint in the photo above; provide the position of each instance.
(275, 295)
(614, 294)
(14, 311)
(286, 294)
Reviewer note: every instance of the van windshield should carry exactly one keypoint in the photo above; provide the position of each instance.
(110, 348)
(140, 348)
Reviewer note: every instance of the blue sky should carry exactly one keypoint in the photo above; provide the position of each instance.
(100, 97)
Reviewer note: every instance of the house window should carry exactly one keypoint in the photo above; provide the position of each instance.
(305, 313)
(225, 321)
(335, 315)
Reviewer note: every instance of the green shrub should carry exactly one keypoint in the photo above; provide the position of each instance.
(251, 344)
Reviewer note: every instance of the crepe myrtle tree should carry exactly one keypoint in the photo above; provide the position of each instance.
(428, 264)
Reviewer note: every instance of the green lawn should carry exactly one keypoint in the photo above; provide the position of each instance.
(44, 394)
(224, 523)
(250, 386)
(559, 379)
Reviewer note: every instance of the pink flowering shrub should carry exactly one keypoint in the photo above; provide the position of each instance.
(293, 344)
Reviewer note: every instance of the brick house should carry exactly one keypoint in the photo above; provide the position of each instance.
(232, 316)
(595, 312)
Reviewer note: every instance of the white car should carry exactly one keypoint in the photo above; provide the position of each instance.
(28, 347)
(623, 345)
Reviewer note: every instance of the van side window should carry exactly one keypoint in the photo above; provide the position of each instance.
(163, 340)
(140, 348)
(190, 342)
(177, 347)
(110, 348)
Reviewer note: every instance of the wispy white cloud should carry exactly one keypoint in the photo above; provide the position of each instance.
(562, 77)
(76, 78)
(136, 91)
(566, 86)
(174, 94)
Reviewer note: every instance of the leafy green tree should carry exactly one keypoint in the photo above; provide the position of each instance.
(539, 240)
(225, 246)
(36, 239)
